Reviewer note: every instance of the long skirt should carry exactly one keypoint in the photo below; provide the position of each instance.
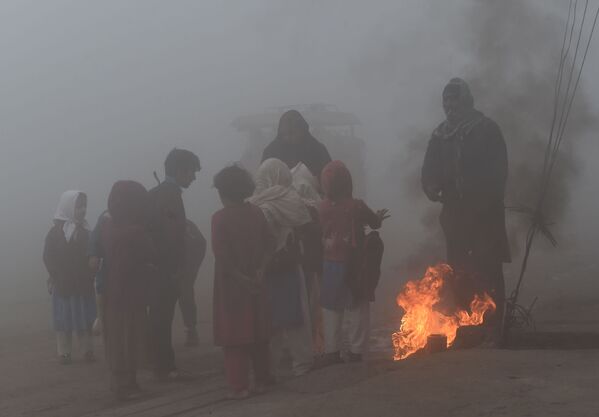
(74, 313)
(292, 321)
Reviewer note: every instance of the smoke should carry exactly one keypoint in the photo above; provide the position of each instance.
(513, 48)
(101, 91)
(506, 36)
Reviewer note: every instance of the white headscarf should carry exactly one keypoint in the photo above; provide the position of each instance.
(306, 184)
(282, 206)
(66, 213)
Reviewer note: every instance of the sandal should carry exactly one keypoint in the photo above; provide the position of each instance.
(90, 357)
(244, 394)
(175, 376)
(258, 389)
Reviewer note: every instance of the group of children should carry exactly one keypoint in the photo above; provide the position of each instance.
(292, 258)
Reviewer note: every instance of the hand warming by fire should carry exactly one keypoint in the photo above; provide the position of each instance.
(421, 301)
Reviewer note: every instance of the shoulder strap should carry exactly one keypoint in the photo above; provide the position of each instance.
(156, 178)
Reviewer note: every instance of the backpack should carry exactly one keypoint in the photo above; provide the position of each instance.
(373, 257)
(364, 268)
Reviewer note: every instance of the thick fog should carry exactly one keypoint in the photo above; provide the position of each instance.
(94, 92)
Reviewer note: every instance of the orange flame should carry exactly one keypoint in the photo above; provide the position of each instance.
(418, 299)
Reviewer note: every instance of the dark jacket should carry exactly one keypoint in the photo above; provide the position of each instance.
(469, 167)
(67, 262)
(309, 151)
(195, 250)
(167, 227)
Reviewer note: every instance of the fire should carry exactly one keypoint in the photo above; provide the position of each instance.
(418, 299)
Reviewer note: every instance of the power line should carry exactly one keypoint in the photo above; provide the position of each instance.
(562, 108)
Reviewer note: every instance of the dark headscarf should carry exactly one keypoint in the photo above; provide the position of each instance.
(336, 181)
(128, 203)
(308, 150)
(459, 88)
(295, 121)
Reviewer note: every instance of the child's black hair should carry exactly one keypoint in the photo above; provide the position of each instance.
(234, 183)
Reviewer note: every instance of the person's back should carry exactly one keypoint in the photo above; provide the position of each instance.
(240, 321)
(343, 225)
(239, 240)
(127, 247)
(128, 250)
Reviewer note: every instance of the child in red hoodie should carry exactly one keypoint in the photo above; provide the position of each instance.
(343, 220)
(129, 254)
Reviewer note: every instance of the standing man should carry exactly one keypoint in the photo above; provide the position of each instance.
(295, 144)
(465, 169)
(168, 226)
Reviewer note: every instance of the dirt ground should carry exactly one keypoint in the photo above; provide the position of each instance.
(456, 383)
(461, 383)
(33, 383)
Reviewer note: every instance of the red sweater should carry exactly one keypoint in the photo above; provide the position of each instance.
(343, 224)
(239, 240)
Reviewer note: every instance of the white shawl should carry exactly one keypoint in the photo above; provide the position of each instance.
(306, 185)
(282, 206)
(66, 213)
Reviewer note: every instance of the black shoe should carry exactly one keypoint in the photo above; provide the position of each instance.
(244, 394)
(127, 395)
(192, 338)
(174, 376)
(328, 359)
(90, 357)
(492, 341)
(354, 357)
(134, 388)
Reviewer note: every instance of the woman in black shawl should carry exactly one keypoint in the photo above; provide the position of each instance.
(295, 144)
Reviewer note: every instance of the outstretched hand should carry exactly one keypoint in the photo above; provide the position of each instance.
(383, 214)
